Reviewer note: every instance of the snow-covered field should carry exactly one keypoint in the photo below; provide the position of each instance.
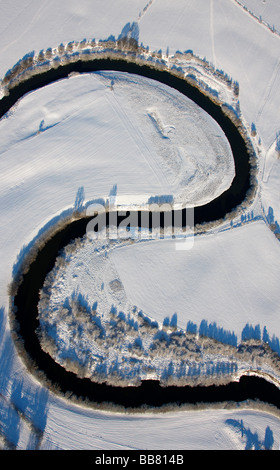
(121, 126)
(106, 131)
(218, 280)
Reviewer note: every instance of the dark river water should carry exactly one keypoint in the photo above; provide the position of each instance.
(150, 392)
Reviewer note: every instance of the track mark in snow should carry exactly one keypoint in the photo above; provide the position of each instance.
(268, 90)
(136, 135)
(31, 22)
(224, 267)
(117, 444)
(234, 44)
(212, 31)
(255, 18)
(145, 9)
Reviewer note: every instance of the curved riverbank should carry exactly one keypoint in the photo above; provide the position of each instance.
(243, 184)
(67, 383)
(26, 298)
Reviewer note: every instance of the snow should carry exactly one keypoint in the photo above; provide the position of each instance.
(194, 430)
(117, 146)
(43, 164)
(268, 12)
(231, 40)
(27, 25)
(133, 145)
(225, 34)
(100, 287)
(270, 187)
(221, 272)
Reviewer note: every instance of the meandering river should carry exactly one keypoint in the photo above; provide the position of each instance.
(149, 393)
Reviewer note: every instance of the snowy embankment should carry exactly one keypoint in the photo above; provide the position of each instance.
(111, 311)
(31, 417)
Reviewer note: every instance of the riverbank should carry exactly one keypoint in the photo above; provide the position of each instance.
(246, 178)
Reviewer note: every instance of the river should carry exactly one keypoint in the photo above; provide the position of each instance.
(150, 392)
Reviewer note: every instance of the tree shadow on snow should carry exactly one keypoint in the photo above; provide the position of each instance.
(23, 403)
(252, 439)
(32, 405)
